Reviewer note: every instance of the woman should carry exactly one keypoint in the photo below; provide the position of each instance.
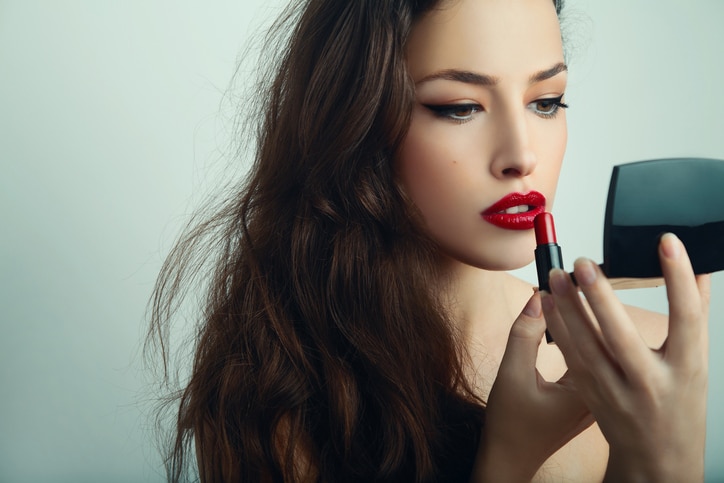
(360, 311)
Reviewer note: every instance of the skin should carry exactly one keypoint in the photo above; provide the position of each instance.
(650, 404)
(454, 170)
(455, 165)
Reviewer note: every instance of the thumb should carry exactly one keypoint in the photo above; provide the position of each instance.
(526, 333)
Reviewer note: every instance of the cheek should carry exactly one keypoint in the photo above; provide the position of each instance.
(434, 161)
(423, 165)
(551, 150)
(561, 150)
(561, 143)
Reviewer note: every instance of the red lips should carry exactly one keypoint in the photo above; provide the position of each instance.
(532, 202)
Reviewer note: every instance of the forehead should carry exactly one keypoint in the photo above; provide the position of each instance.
(495, 37)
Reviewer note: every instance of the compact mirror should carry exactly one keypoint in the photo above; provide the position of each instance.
(646, 199)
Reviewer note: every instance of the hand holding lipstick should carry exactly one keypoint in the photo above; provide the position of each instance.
(650, 404)
(527, 418)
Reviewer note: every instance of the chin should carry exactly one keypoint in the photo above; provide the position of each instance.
(509, 260)
(508, 254)
(504, 265)
(494, 254)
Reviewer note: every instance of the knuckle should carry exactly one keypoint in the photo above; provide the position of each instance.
(527, 329)
(688, 314)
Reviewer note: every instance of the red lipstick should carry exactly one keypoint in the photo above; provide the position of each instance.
(547, 252)
(506, 212)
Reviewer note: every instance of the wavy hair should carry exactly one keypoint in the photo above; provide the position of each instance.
(323, 352)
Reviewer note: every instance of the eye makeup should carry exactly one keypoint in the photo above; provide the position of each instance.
(546, 108)
(455, 112)
(541, 106)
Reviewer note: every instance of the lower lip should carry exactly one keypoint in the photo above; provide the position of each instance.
(514, 221)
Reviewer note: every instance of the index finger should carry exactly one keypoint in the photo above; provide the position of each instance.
(619, 332)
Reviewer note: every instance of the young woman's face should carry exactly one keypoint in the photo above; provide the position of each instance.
(487, 131)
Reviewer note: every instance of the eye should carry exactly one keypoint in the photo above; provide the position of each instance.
(455, 112)
(548, 107)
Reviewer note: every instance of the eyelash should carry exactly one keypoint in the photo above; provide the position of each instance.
(447, 111)
(556, 102)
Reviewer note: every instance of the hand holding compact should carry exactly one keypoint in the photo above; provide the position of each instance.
(649, 403)
(527, 418)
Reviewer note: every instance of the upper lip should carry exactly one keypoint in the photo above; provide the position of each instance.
(532, 198)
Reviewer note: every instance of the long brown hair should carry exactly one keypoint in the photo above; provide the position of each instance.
(323, 351)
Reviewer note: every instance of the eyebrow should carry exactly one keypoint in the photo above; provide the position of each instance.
(485, 80)
(548, 73)
(464, 76)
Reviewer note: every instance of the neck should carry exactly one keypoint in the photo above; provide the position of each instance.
(482, 303)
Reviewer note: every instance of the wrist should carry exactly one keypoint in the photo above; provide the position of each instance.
(629, 467)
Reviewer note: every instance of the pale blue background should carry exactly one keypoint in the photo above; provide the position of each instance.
(113, 125)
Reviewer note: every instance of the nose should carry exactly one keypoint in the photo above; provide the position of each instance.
(512, 155)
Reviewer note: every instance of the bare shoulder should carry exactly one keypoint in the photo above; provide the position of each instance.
(653, 326)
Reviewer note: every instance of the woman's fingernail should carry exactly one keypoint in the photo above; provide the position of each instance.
(533, 307)
(558, 281)
(585, 271)
(670, 246)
